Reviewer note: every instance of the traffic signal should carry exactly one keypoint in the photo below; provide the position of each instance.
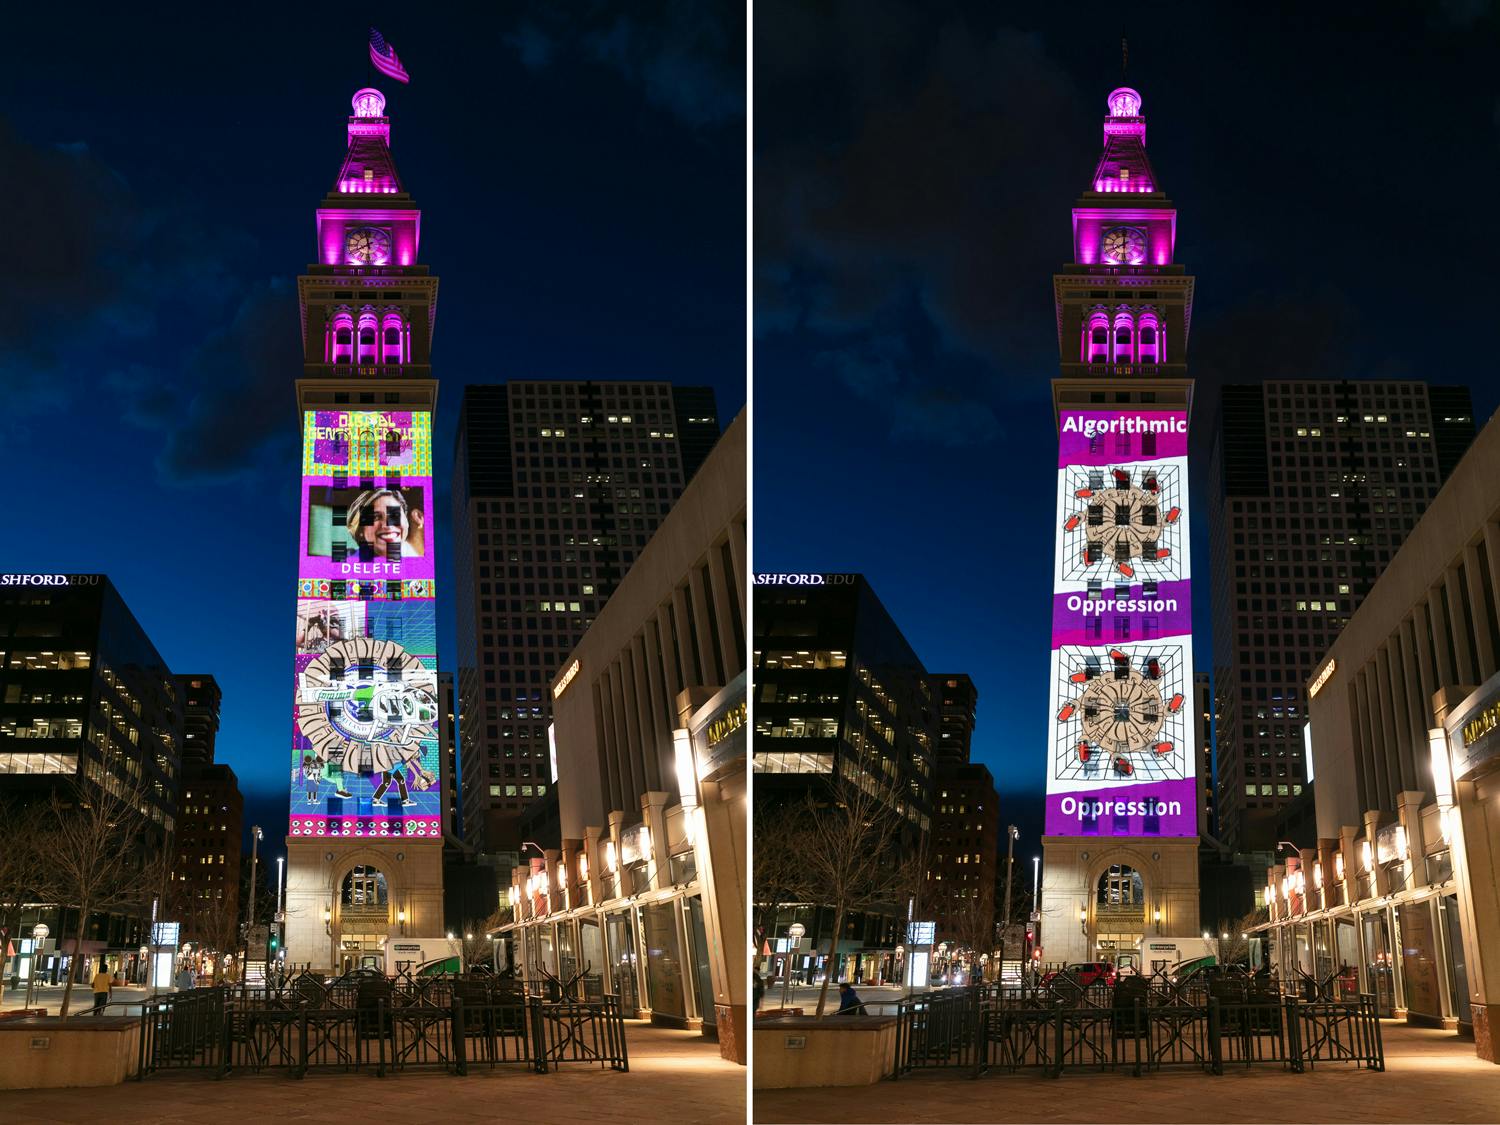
(275, 941)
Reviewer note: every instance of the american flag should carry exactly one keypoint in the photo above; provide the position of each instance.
(383, 56)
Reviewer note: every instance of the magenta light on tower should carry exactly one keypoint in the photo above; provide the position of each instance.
(1121, 723)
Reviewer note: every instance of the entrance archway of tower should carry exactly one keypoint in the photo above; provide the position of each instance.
(1119, 883)
(363, 891)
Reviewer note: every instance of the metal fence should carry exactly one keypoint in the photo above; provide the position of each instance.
(980, 1030)
(380, 1031)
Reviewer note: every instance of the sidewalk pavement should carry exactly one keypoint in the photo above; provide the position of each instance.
(674, 1075)
(124, 1001)
(1430, 1076)
(878, 999)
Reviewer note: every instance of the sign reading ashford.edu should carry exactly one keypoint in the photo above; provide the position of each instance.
(1121, 757)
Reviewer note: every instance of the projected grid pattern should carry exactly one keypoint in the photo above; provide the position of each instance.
(1122, 522)
(1125, 714)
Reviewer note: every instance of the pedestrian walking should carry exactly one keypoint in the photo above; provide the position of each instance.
(760, 990)
(186, 981)
(104, 983)
(849, 1002)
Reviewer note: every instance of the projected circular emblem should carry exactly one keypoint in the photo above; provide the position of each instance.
(1123, 521)
(367, 705)
(1120, 712)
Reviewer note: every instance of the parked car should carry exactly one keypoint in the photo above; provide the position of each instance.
(1084, 974)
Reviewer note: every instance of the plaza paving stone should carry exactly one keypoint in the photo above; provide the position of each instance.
(674, 1075)
(1430, 1076)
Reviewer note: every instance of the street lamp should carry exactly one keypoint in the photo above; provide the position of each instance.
(328, 920)
(401, 918)
(39, 934)
(794, 934)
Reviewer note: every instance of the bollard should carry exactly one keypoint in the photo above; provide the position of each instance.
(226, 1039)
(301, 1069)
(380, 1036)
(1215, 1045)
(1057, 1044)
(1138, 1031)
(460, 1046)
(1293, 1035)
(538, 1034)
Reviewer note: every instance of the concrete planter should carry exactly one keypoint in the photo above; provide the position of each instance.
(43, 1052)
(798, 1051)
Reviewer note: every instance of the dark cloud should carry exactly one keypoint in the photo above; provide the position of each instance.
(532, 44)
(686, 57)
(882, 371)
(899, 177)
(1308, 331)
(94, 277)
(73, 226)
(236, 419)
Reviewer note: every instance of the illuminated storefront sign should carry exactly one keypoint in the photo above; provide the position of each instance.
(1474, 731)
(1317, 685)
(1121, 727)
(567, 678)
(364, 756)
(725, 725)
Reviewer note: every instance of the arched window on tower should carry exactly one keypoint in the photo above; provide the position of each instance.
(1146, 342)
(390, 347)
(341, 338)
(1096, 338)
(367, 347)
(1124, 352)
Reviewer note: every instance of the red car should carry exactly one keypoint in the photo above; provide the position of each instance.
(1085, 973)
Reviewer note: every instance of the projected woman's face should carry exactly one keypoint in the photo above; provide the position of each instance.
(387, 525)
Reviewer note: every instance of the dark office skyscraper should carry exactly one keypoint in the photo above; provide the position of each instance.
(557, 487)
(1316, 484)
(957, 699)
(200, 697)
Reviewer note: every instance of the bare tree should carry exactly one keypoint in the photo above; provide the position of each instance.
(856, 857)
(781, 872)
(475, 946)
(973, 925)
(100, 845)
(1232, 946)
(25, 871)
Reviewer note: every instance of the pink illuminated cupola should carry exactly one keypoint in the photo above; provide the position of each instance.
(1124, 166)
(368, 305)
(368, 168)
(1132, 315)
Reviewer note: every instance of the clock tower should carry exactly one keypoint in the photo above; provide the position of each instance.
(364, 843)
(1121, 869)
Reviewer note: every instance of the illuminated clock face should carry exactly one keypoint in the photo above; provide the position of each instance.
(367, 246)
(1125, 246)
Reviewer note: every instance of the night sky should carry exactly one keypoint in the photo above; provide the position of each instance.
(915, 166)
(581, 170)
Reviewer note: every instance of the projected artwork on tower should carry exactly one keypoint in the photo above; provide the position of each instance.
(1121, 747)
(364, 756)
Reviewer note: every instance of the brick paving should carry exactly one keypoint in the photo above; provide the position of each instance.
(1431, 1076)
(674, 1073)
